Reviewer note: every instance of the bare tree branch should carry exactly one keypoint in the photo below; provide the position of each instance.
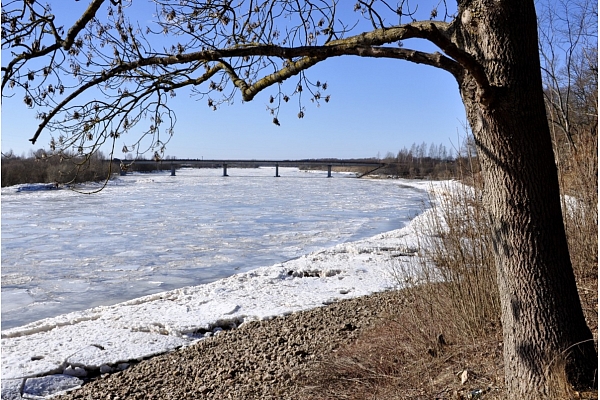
(227, 48)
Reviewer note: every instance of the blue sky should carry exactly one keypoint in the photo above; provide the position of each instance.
(377, 106)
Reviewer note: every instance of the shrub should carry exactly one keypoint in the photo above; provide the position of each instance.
(42, 167)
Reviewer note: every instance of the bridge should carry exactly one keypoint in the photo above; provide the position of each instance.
(124, 165)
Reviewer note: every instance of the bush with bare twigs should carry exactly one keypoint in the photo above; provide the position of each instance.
(45, 167)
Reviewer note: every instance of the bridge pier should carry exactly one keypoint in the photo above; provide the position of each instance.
(329, 171)
(172, 169)
(225, 170)
(276, 170)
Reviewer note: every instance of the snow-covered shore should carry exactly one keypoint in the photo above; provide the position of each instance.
(105, 338)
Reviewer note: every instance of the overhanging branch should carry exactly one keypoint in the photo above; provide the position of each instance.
(104, 77)
(58, 44)
(300, 58)
(436, 59)
(80, 24)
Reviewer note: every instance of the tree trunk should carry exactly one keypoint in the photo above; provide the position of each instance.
(542, 318)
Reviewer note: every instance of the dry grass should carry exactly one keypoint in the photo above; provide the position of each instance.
(449, 323)
(457, 249)
(579, 182)
(402, 358)
(405, 357)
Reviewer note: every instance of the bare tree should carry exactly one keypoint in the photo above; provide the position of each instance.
(223, 48)
(569, 55)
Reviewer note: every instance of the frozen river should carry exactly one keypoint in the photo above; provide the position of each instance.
(143, 234)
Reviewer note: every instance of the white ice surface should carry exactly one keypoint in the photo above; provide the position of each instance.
(157, 323)
(150, 233)
(105, 337)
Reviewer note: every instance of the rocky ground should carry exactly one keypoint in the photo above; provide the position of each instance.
(259, 360)
(337, 351)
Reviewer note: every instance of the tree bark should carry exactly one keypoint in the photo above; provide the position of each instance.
(542, 318)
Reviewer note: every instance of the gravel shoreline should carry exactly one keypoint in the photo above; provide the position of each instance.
(259, 360)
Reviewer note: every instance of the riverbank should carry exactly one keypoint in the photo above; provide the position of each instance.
(260, 360)
(373, 340)
(270, 356)
(58, 353)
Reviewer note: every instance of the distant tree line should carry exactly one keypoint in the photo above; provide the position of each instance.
(159, 165)
(420, 161)
(424, 161)
(42, 166)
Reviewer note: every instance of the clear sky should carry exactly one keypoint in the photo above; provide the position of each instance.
(377, 106)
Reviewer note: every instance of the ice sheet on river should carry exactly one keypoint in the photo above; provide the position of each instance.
(149, 233)
(105, 338)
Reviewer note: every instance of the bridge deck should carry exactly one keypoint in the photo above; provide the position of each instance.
(124, 164)
(292, 163)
